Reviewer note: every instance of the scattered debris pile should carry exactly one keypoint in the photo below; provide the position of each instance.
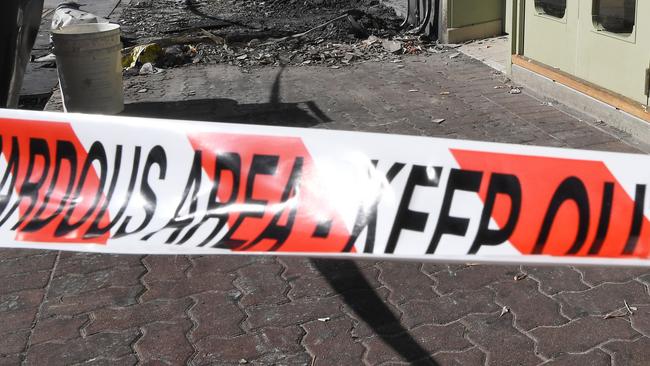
(249, 33)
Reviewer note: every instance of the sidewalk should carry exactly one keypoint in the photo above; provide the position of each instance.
(70, 308)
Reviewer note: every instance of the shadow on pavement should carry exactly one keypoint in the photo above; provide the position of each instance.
(275, 112)
(304, 114)
(372, 310)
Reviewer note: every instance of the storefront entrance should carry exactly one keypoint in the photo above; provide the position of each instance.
(604, 42)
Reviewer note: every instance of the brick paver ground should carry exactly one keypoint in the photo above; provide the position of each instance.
(71, 308)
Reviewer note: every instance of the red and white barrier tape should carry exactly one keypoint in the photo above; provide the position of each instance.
(150, 186)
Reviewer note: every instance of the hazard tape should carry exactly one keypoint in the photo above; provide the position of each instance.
(150, 186)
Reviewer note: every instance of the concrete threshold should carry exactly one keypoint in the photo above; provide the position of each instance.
(491, 51)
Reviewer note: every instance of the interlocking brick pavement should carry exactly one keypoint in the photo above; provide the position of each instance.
(90, 309)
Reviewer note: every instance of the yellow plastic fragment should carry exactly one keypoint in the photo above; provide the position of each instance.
(144, 53)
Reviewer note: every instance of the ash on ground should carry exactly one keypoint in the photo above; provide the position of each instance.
(249, 33)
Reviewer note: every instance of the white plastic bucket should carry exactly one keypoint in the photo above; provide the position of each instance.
(88, 60)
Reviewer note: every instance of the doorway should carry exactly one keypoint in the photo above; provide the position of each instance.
(603, 42)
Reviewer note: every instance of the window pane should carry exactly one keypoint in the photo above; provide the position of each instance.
(554, 8)
(616, 16)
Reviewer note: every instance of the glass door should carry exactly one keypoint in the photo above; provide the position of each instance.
(614, 46)
(604, 42)
(551, 32)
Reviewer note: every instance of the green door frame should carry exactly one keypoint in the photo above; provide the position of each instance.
(517, 11)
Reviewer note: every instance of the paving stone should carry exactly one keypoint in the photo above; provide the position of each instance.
(138, 315)
(296, 267)
(10, 253)
(530, 307)
(433, 268)
(165, 342)
(166, 267)
(519, 138)
(333, 280)
(22, 300)
(645, 279)
(528, 107)
(194, 284)
(261, 285)
(594, 357)
(57, 329)
(554, 126)
(556, 279)
(502, 124)
(33, 263)
(114, 345)
(580, 335)
(295, 312)
(547, 112)
(13, 321)
(472, 356)
(217, 314)
(603, 299)
(641, 319)
(69, 284)
(24, 281)
(280, 359)
(472, 277)
(505, 345)
(331, 342)
(274, 342)
(578, 140)
(394, 275)
(597, 275)
(448, 308)
(15, 342)
(9, 360)
(338, 267)
(91, 300)
(372, 312)
(82, 263)
(615, 146)
(419, 343)
(224, 263)
(18, 309)
(635, 353)
(124, 360)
